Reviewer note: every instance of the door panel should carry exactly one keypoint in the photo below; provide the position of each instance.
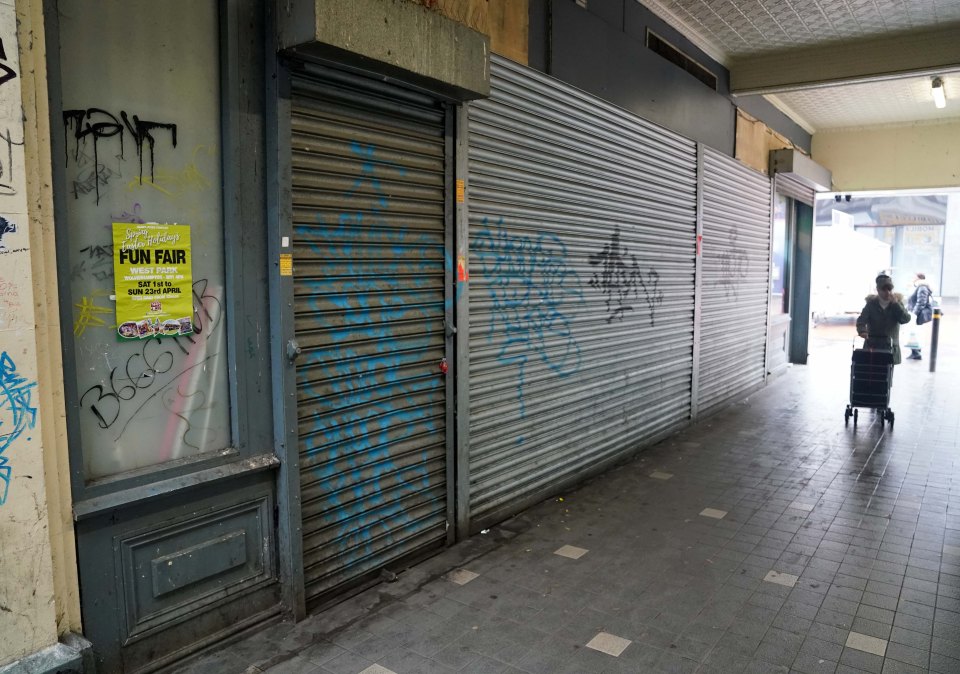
(369, 238)
(736, 274)
(582, 223)
(169, 577)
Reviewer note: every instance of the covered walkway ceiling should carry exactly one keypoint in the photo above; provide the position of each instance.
(832, 63)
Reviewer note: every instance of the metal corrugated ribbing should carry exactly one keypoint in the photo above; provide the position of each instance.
(368, 223)
(582, 245)
(795, 189)
(736, 275)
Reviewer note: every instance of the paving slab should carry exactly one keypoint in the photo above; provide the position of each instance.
(818, 547)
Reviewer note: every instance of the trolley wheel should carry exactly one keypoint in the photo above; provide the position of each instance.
(846, 416)
(890, 417)
(855, 415)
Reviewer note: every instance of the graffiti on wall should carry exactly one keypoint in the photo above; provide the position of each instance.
(95, 261)
(17, 414)
(90, 313)
(139, 154)
(160, 379)
(7, 73)
(96, 125)
(10, 304)
(531, 289)
(734, 264)
(619, 278)
(171, 182)
(8, 176)
(8, 179)
(160, 374)
(134, 214)
(6, 227)
(368, 401)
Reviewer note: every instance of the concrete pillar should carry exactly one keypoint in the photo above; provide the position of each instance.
(390, 37)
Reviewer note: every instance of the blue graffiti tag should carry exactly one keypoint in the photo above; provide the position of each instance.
(16, 414)
(531, 287)
(6, 227)
(369, 403)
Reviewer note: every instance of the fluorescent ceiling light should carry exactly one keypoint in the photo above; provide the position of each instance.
(938, 97)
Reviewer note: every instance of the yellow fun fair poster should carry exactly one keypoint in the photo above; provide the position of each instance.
(153, 280)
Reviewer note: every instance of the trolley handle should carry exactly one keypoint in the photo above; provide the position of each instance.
(878, 343)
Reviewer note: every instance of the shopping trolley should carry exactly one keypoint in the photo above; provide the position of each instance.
(871, 376)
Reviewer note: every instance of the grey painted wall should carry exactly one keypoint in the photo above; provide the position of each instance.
(602, 50)
(769, 114)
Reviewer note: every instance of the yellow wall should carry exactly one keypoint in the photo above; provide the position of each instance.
(38, 585)
(901, 157)
(47, 315)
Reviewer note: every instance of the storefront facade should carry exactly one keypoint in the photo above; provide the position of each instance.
(309, 310)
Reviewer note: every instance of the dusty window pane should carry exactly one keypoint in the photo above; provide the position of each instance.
(142, 132)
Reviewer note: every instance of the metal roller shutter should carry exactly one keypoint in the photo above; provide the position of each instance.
(794, 188)
(735, 280)
(368, 220)
(582, 223)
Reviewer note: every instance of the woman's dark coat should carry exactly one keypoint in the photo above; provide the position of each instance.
(879, 322)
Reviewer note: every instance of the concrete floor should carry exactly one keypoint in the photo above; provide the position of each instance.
(769, 538)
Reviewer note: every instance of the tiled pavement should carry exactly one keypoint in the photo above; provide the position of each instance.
(769, 538)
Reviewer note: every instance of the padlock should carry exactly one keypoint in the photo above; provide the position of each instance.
(443, 365)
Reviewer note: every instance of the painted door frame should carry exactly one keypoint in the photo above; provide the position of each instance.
(209, 479)
(800, 282)
(780, 324)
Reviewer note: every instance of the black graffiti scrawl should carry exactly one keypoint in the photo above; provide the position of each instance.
(6, 72)
(98, 124)
(620, 278)
(734, 264)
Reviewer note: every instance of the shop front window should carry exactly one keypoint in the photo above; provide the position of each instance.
(141, 124)
(780, 262)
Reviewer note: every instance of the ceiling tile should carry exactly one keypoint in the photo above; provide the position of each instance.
(731, 29)
(745, 27)
(884, 102)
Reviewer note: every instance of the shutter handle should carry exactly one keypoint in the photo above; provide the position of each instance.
(293, 351)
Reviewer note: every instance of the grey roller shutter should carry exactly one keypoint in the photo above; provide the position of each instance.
(794, 188)
(734, 285)
(582, 225)
(368, 220)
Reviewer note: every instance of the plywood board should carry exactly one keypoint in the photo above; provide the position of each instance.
(509, 22)
(506, 22)
(755, 141)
